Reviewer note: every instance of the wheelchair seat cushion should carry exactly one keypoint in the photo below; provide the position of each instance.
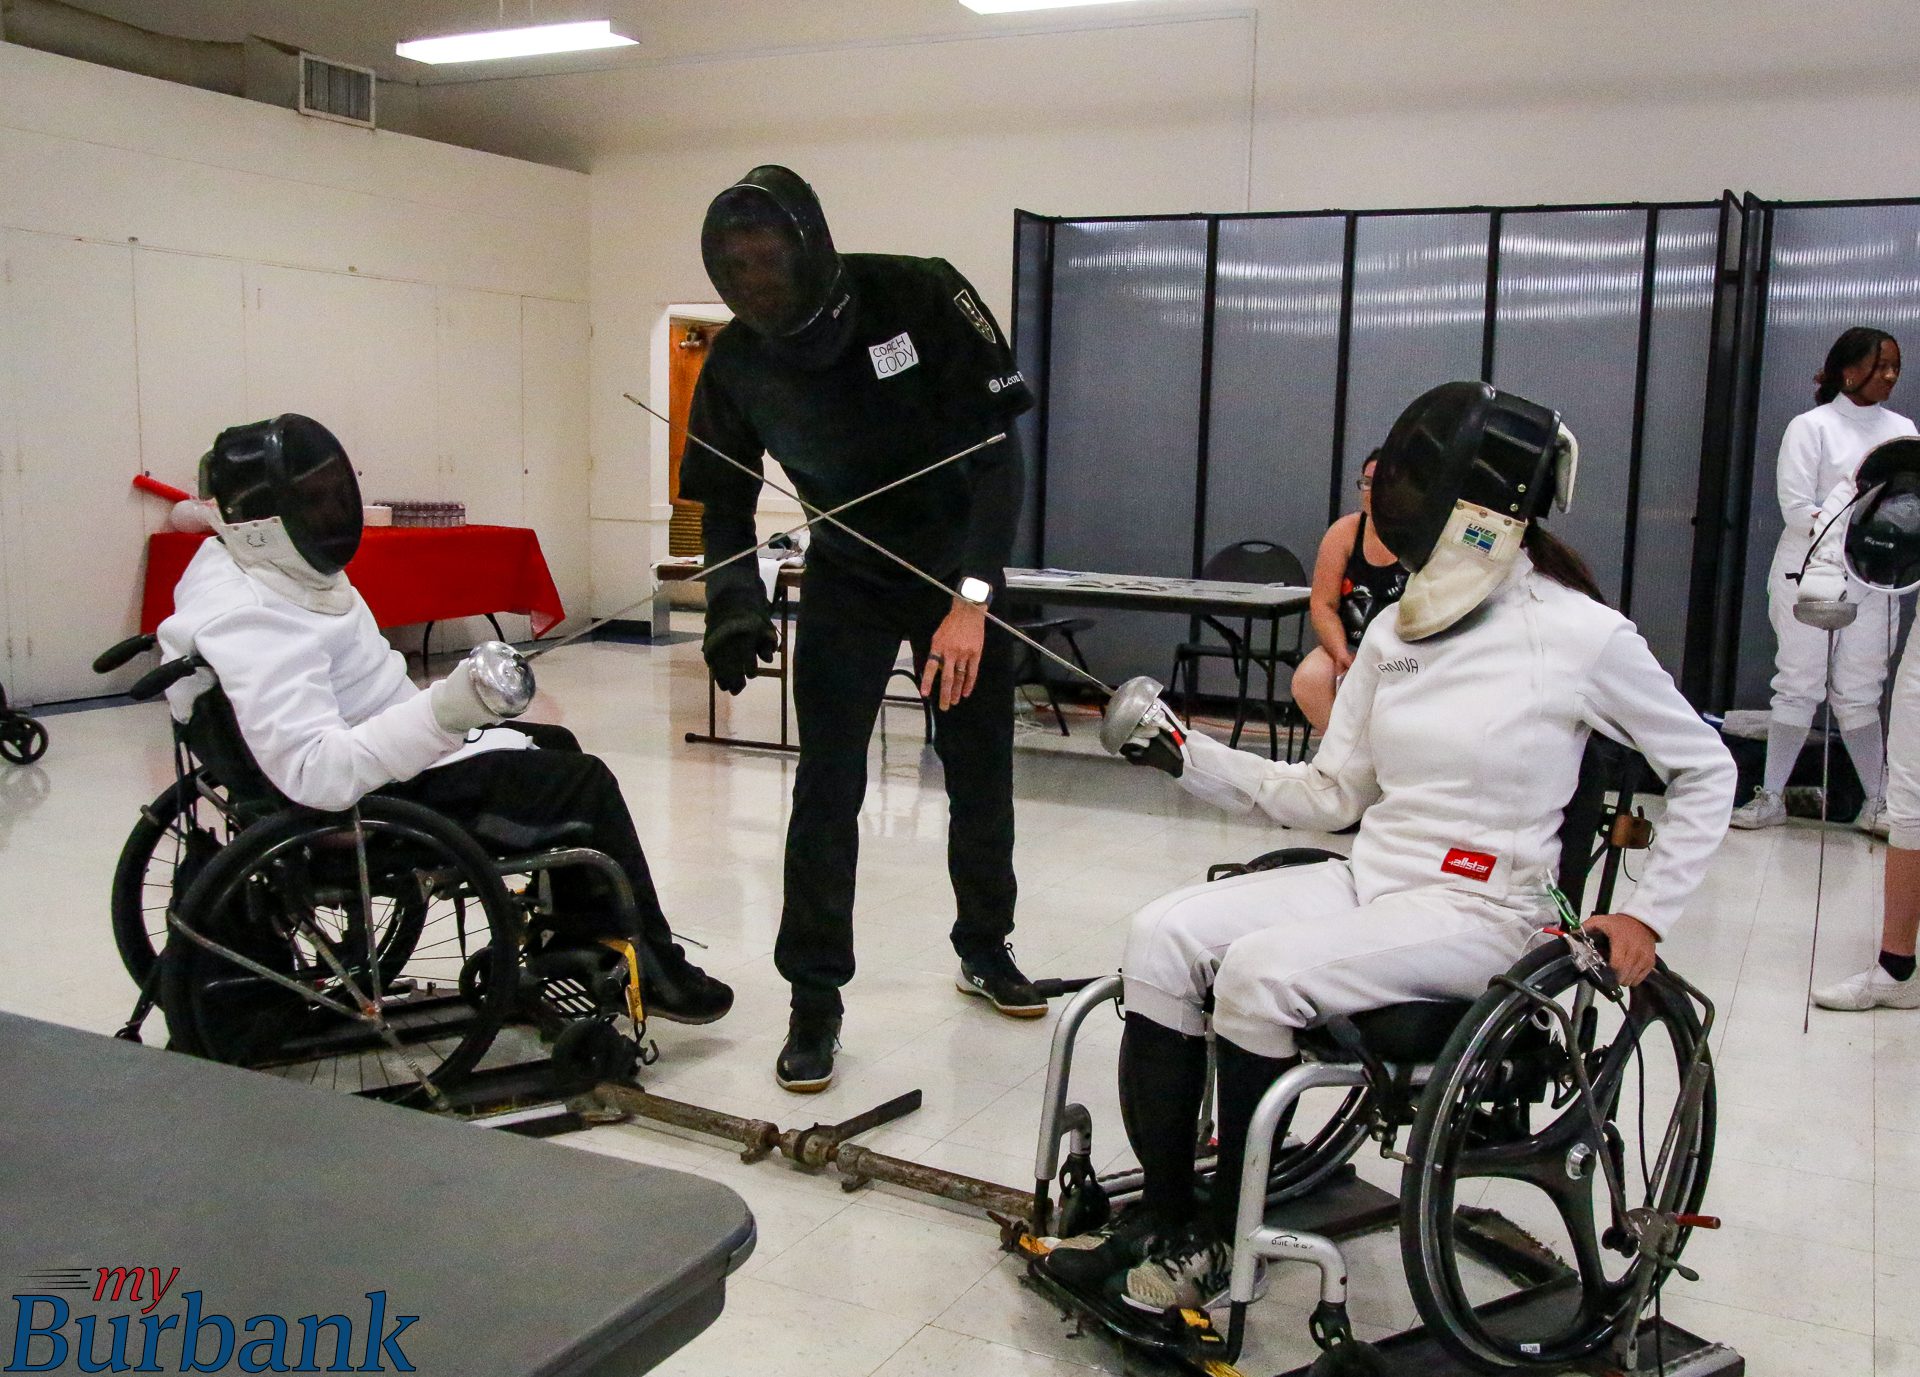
(1407, 1033)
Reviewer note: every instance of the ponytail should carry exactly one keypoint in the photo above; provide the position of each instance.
(1559, 561)
(1854, 345)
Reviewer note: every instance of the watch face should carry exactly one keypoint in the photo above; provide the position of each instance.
(976, 590)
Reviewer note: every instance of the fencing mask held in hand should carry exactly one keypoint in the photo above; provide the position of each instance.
(1462, 472)
(1882, 544)
(770, 255)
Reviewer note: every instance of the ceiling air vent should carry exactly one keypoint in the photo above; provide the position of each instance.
(335, 91)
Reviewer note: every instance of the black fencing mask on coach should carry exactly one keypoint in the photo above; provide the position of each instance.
(1883, 530)
(287, 497)
(1462, 472)
(771, 257)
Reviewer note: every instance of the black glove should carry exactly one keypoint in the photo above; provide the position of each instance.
(1162, 752)
(735, 637)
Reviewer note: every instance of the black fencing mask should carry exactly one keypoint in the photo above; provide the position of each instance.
(1462, 472)
(1883, 530)
(771, 257)
(284, 483)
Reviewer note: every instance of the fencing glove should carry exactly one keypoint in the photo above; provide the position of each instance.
(735, 638)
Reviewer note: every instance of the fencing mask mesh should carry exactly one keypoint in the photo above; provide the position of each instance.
(285, 483)
(1463, 471)
(770, 255)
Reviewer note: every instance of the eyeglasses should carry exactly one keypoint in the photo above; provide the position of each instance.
(1365, 485)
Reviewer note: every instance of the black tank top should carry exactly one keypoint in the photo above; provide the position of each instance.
(1367, 590)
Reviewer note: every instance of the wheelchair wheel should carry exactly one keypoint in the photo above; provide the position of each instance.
(177, 834)
(22, 740)
(324, 970)
(1301, 1170)
(1503, 1114)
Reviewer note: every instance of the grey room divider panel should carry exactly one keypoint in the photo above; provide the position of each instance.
(1215, 378)
(1567, 334)
(1124, 373)
(1679, 353)
(1827, 267)
(1276, 362)
(1419, 316)
(1029, 333)
(1274, 394)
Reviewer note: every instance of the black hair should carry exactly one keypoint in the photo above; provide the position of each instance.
(1559, 561)
(1855, 344)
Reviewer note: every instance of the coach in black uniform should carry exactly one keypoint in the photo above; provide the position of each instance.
(852, 371)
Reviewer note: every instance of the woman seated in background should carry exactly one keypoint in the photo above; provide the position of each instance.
(1355, 578)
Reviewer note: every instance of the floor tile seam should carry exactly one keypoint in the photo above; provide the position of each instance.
(918, 1325)
(1872, 1332)
(1721, 1155)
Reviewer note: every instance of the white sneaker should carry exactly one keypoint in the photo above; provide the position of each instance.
(1873, 817)
(1190, 1271)
(1873, 988)
(1764, 809)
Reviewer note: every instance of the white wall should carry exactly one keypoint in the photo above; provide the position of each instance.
(924, 146)
(178, 261)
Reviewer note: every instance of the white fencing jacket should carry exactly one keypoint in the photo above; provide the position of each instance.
(323, 701)
(1458, 753)
(1820, 452)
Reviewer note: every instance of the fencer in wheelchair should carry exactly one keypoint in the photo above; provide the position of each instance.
(1439, 954)
(331, 865)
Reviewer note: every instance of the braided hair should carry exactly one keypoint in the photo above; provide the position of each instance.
(1855, 345)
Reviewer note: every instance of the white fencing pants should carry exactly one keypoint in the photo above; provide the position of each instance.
(1903, 754)
(1860, 652)
(1287, 949)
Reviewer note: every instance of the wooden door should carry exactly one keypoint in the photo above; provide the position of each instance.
(689, 341)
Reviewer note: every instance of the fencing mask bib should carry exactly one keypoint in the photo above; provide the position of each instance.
(1882, 544)
(288, 507)
(1463, 471)
(770, 255)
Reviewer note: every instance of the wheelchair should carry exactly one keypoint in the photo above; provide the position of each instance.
(381, 950)
(1521, 1102)
(23, 740)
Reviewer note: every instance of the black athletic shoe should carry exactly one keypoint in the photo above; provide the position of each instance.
(679, 991)
(806, 1062)
(992, 975)
(1089, 1262)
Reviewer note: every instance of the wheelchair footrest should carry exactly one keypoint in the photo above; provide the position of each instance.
(1187, 1340)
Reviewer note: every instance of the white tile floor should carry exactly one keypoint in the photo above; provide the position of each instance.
(1817, 1172)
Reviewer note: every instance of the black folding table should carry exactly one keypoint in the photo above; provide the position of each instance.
(519, 1257)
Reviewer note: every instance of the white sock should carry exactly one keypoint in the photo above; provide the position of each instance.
(1784, 743)
(1864, 746)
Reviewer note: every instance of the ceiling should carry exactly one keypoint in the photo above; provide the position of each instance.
(364, 32)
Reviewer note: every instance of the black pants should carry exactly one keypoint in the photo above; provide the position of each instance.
(849, 636)
(557, 783)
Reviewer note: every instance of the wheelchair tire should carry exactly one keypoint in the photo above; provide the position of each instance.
(282, 881)
(167, 848)
(22, 740)
(1477, 1119)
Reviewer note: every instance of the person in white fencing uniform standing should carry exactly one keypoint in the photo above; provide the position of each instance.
(1456, 743)
(1818, 454)
(1873, 556)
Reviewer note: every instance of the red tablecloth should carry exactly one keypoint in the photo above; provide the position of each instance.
(407, 574)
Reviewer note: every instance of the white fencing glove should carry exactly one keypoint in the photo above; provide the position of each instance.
(1137, 726)
(456, 702)
(1822, 600)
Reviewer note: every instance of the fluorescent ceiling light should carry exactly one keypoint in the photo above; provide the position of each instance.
(1011, 6)
(528, 42)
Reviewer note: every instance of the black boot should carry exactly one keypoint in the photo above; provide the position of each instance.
(806, 1062)
(679, 991)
